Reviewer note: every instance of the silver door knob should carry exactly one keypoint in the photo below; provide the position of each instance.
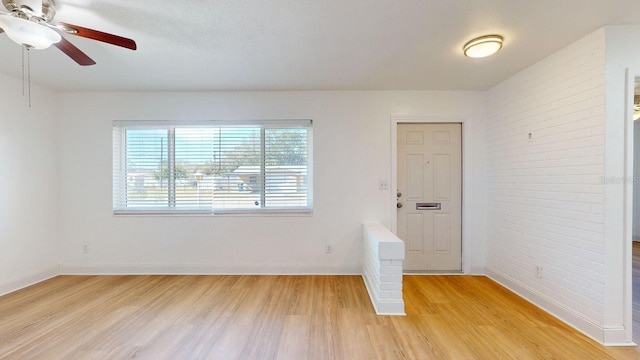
(399, 205)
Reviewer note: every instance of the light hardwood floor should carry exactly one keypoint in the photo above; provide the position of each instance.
(280, 317)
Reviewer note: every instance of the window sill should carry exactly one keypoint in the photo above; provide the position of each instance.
(217, 213)
(270, 212)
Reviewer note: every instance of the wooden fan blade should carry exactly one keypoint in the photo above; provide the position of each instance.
(73, 52)
(98, 35)
(1, 31)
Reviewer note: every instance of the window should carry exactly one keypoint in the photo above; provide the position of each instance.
(212, 166)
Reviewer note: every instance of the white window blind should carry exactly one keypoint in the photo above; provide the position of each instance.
(212, 166)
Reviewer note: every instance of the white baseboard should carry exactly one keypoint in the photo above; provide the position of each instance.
(551, 306)
(391, 308)
(617, 336)
(12, 285)
(202, 269)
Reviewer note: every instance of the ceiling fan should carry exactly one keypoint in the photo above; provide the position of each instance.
(29, 23)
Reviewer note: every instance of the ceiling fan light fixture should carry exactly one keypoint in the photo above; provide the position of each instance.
(483, 46)
(28, 33)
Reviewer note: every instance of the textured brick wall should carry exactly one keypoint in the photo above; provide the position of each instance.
(382, 268)
(546, 193)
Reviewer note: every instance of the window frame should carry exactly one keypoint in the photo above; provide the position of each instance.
(119, 167)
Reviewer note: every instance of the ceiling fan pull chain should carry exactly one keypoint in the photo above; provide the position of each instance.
(22, 70)
(29, 72)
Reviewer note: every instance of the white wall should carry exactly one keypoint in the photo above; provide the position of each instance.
(28, 186)
(546, 196)
(558, 200)
(351, 154)
(622, 54)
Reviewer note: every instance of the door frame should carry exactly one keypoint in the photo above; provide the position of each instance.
(627, 252)
(466, 171)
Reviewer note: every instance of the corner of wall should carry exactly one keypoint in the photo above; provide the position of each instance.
(29, 279)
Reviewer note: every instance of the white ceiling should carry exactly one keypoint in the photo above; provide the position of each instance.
(194, 45)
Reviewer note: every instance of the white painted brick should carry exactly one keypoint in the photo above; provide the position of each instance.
(391, 269)
(396, 285)
(390, 277)
(390, 294)
(546, 196)
(382, 267)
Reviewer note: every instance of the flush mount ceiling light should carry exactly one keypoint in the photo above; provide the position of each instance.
(483, 46)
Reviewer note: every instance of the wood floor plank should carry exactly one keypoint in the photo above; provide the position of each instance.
(294, 344)
(280, 317)
(384, 342)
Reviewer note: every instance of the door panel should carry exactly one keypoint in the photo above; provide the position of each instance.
(415, 234)
(415, 137)
(441, 137)
(442, 233)
(442, 177)
(430, 171)
(415, 176)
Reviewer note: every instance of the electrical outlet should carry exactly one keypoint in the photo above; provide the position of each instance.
(539, 271)
(328, 249)
(383, 185)
(85, 248)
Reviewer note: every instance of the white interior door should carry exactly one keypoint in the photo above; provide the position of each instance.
(430, 196)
